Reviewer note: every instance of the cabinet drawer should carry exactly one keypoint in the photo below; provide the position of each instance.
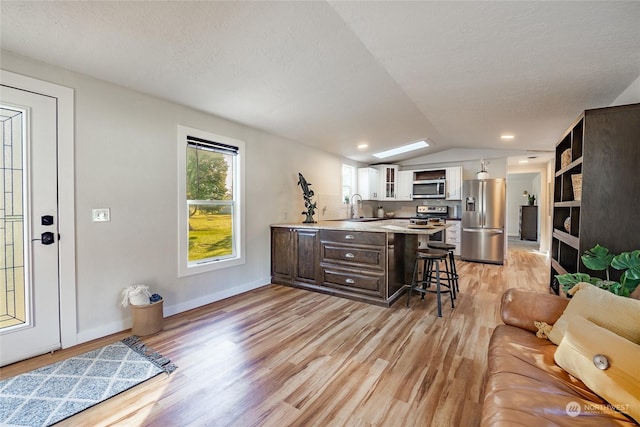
(354, 237)
(367, 257)
(346, 280)
(453, 233)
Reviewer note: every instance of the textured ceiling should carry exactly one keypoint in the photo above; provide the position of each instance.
(335, 74)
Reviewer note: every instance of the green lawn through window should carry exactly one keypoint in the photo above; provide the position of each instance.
(209, 235)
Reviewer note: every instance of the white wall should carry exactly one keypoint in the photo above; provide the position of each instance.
(125, 160)
(630, 95)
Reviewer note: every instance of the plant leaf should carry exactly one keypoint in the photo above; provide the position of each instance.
(629, 261)
(573, 278)
(630, 284)
(569, 280)
(618, 289)
(597, 258)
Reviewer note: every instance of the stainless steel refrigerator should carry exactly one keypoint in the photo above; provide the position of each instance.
(483, 220)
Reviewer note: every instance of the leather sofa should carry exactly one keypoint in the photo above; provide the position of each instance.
(524, 386)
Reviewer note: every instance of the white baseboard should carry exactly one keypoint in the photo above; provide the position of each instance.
(208, 299)
(169, 310)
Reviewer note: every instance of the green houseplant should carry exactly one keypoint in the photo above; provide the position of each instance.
(599, 258)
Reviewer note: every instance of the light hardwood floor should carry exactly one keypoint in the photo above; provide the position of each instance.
(279, 356)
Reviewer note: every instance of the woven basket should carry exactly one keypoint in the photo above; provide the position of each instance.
(147, 319)
(576, 181)
(565, 158)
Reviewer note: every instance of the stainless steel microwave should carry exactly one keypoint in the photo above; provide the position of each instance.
(429, 189)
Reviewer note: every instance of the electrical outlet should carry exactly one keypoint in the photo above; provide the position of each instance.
(101, 215)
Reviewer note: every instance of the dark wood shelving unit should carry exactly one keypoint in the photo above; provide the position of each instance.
(605, 149)
(529, 222)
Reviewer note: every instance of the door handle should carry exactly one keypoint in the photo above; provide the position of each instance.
(484, 230)
(46, 238)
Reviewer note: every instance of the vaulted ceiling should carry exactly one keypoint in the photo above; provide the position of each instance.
(337, 74)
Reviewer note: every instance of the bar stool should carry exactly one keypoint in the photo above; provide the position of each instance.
(452, 262)
(431, 274)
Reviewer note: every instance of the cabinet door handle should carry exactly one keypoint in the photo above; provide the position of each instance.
(349, 255)
(350, 281)
(349, 237)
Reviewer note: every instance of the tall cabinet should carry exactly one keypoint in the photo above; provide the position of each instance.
(596, 188)
(528, 222)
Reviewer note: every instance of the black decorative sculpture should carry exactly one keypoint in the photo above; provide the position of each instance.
(307, 193)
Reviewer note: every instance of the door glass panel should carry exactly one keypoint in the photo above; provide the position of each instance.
(13, 305)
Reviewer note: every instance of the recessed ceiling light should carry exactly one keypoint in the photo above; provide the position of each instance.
(362, 146)
(507, 137)
(523, 161)
(402, 149)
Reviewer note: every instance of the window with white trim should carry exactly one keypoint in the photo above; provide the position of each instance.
(210, 201)
(348, 183)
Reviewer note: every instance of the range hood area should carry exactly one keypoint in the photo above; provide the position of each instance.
(429, 184)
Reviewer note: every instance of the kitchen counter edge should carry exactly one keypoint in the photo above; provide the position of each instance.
(381, 226)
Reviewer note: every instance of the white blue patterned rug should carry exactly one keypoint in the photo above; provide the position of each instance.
(54, 392)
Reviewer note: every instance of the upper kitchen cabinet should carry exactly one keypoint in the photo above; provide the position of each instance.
(368, 183)
(379, 182)
(388, 182)
(454, 183)
(405, 185)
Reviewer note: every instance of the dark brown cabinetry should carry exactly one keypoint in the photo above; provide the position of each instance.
(294, 254)
(361, 265)
(596, 187)
(354, 262)
(528, 222)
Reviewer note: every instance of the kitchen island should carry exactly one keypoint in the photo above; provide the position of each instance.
(369, 261)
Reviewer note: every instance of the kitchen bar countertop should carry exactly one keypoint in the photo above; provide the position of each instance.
(378, 226)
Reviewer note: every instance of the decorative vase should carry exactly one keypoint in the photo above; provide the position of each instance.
(567, 224)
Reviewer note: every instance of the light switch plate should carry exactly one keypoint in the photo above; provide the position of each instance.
(101, 215)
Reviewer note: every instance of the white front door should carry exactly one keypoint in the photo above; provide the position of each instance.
(29, 283)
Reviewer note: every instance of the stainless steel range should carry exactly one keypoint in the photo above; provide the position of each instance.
(431, 215)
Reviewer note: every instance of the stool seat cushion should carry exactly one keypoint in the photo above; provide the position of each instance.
(431, 253)
(445, 246)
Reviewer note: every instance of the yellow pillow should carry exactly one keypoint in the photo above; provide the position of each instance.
(619, 384)
(615, 313)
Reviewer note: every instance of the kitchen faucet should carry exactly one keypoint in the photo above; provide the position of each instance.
(354, 208)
